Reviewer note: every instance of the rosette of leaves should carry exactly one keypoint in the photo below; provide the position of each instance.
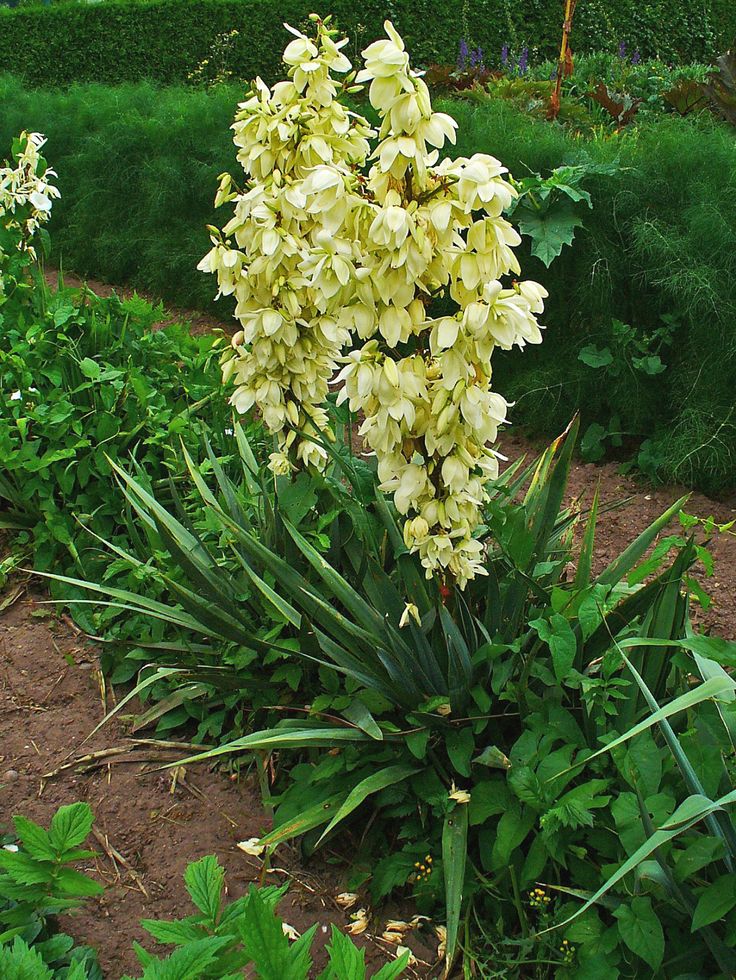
(500, 729)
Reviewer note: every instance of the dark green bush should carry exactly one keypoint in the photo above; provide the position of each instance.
(137, 169)
(165, 39)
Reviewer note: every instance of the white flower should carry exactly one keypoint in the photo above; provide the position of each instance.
(459, 795)
(359, 922)
(346, 900)
(252, 846)
(410, 612)
(341, 238)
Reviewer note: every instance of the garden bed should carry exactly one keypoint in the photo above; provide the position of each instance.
(51, 698)
(149, 825)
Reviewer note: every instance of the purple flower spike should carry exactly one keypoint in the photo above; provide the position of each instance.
(622, 49)
(462, 58)
(524, 61)
(636, 57)
(479, 57)
(505, 55)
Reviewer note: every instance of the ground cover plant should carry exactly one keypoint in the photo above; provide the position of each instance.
(38, 882)
(548, 752)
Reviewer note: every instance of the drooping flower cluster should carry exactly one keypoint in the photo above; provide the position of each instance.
(289, 254)
(26, 195)
(423, 381)
(325, 254)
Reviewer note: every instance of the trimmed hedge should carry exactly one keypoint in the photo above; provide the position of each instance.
(120, 40)
(138, 168)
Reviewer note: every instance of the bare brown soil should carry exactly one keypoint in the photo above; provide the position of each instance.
(151, 825)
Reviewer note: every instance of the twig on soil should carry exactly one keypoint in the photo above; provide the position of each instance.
(117, 858)
(103, 756)
(53, 687)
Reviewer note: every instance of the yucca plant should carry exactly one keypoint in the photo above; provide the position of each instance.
(475, 719)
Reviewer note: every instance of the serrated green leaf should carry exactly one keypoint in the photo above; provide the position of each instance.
(34, 839)
(204, 880)
(549, 230)
(70, 825)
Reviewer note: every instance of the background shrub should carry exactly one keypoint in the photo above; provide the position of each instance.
(138, 166)
(165, 39)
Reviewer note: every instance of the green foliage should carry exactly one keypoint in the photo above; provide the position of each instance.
(497, 742)
(220, 940)
(645, 79)
(547, 207)
(123, 40)
(37, 882)
(84, 381)
(659, 242)
(217, 942)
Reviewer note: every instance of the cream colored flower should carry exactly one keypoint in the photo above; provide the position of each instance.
(289, 931)
(410, 612)
(459, 795)
(402, 950)
(359, 922)
(252, 846)
(345, 236)
(346, 900)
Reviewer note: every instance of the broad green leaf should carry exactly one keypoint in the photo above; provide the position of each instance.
(559, 637)
(687, 815)
(715, 902)
(460, 747)
(35, 839)
(549, 230)
(594, 357)
(345, 959)
(190, 962)
(390, 971)
(21, 962)
(265, 943)
(641, 930)
(70, 825)
(702, 852)
(173, 933)
(77, 884)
